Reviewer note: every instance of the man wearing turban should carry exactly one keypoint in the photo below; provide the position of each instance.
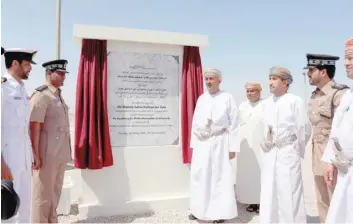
(339, 153)
(282, 196)
(214, 142)
(249, 159)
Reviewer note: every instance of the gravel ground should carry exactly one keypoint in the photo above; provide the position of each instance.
(174, 216)
(181, 216)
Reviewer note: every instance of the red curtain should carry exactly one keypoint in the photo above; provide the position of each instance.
(92, 140)
(192, 88)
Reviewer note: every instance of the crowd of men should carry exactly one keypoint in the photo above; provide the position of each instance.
(269, 137)
(35, 138)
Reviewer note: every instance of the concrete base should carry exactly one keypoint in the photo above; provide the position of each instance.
(136, 207)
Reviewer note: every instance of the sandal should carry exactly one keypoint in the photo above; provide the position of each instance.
(257, 209)
(251, 208)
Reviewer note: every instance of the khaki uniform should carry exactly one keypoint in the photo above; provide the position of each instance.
(49, 109)
(322, 104)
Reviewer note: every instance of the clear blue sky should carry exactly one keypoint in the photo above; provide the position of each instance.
(246, 38)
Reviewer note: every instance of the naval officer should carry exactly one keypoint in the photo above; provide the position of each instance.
(16, 147)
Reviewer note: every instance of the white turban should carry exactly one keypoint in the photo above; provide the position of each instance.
(282, 72)
(208, 72)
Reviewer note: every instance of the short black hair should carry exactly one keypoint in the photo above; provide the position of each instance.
(8, 62)
(330, 70)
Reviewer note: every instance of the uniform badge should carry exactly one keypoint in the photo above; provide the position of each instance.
(55, 101)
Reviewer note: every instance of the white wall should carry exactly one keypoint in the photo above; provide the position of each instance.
(142, 179)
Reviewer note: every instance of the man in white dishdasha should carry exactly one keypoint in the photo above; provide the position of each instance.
(214, 141)
(339, 152)
(282, 198)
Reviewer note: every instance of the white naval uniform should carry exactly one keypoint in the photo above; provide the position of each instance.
(16, 147)
(282, 198)
(341, 206)
(211, 177)
(249, 159)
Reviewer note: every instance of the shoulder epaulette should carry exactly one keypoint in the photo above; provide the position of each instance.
(41, 88)
(3, 79)
(314, 92)
(339, 86)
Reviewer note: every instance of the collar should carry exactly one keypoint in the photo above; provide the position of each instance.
(53, 88)
(326, 89)
(13, 81)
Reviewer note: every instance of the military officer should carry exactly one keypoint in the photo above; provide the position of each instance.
(51, 142)
(16, 147)
(322, 106)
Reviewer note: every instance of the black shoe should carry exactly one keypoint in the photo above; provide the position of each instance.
(219, 221)
(192, 217)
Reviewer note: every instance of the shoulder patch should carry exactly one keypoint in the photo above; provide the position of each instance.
(3, 79)
(339, 86)
(41, 88)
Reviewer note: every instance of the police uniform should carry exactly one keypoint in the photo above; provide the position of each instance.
(16, 147)
(50, 110)
(322, 106)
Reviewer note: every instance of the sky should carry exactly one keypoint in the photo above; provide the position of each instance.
(246, 38)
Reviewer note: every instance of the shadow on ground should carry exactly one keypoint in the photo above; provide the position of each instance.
(312, 219)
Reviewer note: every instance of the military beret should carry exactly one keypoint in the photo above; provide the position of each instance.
(10, 202)
(314, 60)
(56, 65)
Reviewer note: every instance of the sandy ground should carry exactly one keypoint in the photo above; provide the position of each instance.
(181, 216)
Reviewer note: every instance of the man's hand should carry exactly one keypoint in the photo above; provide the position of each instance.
(37, 163)
(330, 175)
(5, 172)
(231, 155)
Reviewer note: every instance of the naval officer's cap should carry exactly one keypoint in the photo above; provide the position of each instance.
(56, 65)
(10, 201)
(320, 60)
(2, 50)
(20, 54)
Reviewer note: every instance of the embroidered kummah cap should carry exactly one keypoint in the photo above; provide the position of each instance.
(322, 60)
(56, 65)
(212, 72)
(281, 72)
(10, 202)
(20, 54)
(253, 85)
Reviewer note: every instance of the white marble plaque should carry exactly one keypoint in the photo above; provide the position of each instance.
(143, 98)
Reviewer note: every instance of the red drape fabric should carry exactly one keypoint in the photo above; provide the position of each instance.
(192, 88)
(92, 140)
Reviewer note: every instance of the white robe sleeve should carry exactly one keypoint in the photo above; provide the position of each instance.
(300, 121)
(234, 138)
(193, 137)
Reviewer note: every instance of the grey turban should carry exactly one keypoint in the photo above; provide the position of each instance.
(281, 72)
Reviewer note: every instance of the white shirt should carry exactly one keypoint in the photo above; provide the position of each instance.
(342, 128)
(16, 147)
